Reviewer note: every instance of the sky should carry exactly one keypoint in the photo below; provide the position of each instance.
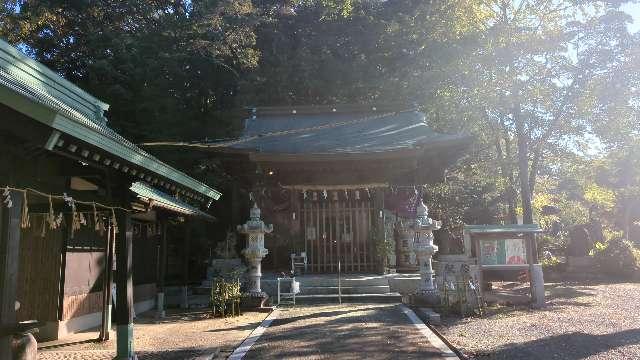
(634, 10)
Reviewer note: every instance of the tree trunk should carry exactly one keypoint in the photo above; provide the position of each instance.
(533, 172)
(523, 167)
(507, 174)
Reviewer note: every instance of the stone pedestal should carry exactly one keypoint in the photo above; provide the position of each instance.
(255, 301)
(424, 248)
(255, 251)
(405, 255)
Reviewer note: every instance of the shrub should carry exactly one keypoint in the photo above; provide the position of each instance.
(617, 257)
(551, 263)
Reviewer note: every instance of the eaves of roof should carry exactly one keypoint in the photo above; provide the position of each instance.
(166, 201)
(495, 229)
(34, 90)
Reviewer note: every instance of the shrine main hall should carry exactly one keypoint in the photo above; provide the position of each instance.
(335, 181)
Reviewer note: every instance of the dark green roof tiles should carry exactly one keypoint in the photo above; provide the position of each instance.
(34, 90)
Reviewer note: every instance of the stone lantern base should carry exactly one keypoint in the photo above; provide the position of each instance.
(427, 298)
(255, 301)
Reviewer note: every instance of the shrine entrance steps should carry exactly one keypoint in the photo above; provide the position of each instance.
(325, 288)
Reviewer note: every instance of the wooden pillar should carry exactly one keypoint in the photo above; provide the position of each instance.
(163, 266)
(9, 262)
(107, 286)
(124, 286)
(378, 213)
(534, 248)
(185, 269)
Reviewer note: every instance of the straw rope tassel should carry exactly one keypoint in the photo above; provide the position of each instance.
(51, 217)
(95, 218)
(43, 232)
(75, 219)
(25, 222)
(114, 222)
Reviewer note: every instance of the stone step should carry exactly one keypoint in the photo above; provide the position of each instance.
(201, 290)
(325, 290)
(344, 281)
(350, 298)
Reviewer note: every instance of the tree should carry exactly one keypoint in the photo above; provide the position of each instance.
(538, 73)
(168, 68)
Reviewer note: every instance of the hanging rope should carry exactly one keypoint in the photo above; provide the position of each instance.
(78, 219)
(277, 133)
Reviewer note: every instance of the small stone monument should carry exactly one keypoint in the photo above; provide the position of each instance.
(427, 293)
(255, 251)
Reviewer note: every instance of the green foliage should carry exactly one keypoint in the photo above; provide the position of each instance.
(551, 263)
(601, 197)
(167, 68)
(225, 297)
(617, 257)
(541, 79)
(383, 246)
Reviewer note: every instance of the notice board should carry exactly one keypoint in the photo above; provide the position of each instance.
(503, 252)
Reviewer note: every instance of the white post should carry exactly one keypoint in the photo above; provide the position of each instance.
(537, 284)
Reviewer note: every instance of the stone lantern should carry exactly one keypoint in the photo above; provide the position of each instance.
(424, 249)
(255, 251)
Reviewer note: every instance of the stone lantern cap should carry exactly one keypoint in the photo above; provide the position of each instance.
(423, 221)
(254, 213)
(254, 224)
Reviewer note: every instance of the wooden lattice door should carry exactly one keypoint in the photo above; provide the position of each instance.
(338, 231)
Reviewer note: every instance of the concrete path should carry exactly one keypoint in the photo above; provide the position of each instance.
(348, 331)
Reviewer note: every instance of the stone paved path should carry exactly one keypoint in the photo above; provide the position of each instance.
(110, 354)
(180, 336)
(363, 331)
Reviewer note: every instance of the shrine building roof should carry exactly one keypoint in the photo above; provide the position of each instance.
(346, 130)
(79, 125)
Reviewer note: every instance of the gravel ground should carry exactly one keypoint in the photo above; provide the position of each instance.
(583, 320)
(178, 336)
(347, 331)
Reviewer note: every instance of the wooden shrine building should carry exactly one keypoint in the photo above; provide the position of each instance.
(78, 201)
(329, 178)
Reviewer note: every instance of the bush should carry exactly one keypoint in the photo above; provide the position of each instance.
(551, 263)
(617, 257)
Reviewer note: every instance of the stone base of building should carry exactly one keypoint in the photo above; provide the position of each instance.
(405, 269)
(55, 330)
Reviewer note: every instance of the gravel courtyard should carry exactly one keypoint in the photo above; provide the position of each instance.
(178, 336)
(583, 320)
